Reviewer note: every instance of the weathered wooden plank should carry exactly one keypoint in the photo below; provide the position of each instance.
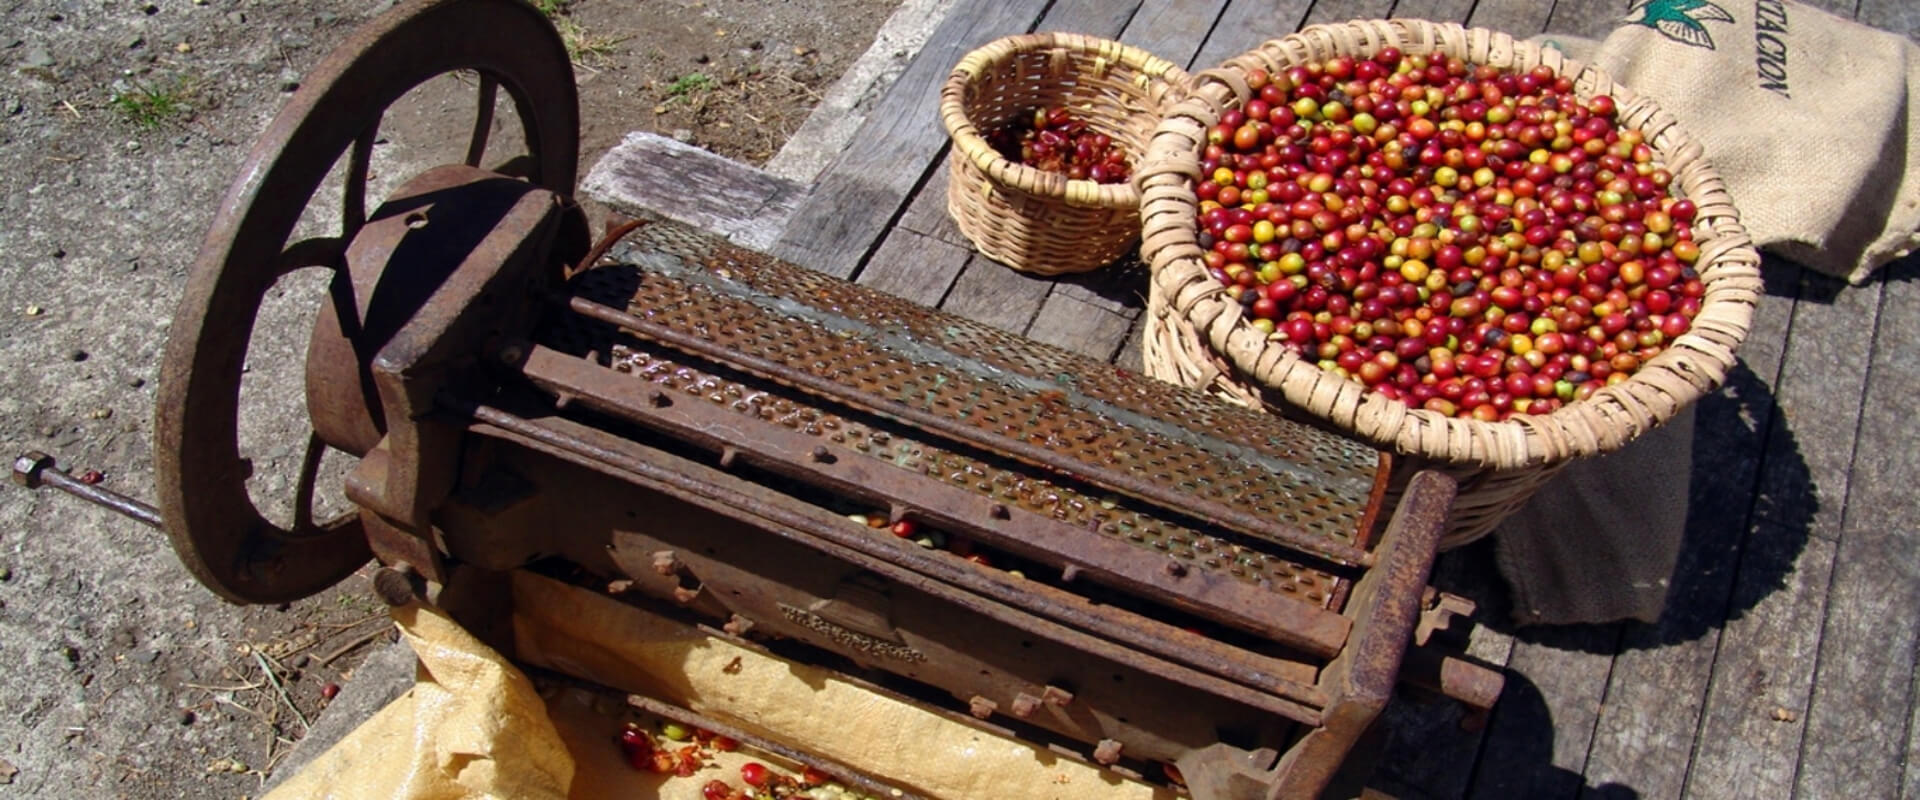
(1517, 17)
(1323, 13)
(1536, 745)
(1080, 326)
(1857, 724)
(1658, 687)
(990, 293)
(652, 175)
(914, 267)
(1130, 357)
(1899, 16)
(1244, 25)
(1173, 29)
(1749, 739)
(1591, 19)
(857, 196)
(927, 212)
(1433, 10)
(1805, 480)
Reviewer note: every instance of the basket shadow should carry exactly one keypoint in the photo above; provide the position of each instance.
(1747, 521)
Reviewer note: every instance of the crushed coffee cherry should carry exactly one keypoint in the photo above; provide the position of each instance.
(1470, 241)
(1052, 139)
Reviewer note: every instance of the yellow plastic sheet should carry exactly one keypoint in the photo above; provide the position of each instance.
(473, 726)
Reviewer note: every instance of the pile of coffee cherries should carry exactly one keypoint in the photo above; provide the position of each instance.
(1052, 139)
(687, 751)
(1470, 241)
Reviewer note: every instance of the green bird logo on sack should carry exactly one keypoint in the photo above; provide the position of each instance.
(1679, 20)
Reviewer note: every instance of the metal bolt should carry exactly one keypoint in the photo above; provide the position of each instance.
(1024, 705)
(999, 511)
(27, 468)
(821, 454)
(666, 563)
(1175, 569)
(1056, 696)
(981, 707)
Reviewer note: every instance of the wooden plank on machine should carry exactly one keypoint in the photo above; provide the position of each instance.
(1433, 10)
(652, 175)
(1517, 17)
(859, 194)
(1857, 734)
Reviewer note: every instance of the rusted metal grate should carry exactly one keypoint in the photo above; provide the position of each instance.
(996, 383)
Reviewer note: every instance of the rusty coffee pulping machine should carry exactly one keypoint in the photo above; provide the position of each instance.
(1131, 572)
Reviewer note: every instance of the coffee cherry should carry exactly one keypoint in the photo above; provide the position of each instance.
(1053, 140)
(754, 773)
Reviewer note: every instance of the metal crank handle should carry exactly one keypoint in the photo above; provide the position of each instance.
(34, 469)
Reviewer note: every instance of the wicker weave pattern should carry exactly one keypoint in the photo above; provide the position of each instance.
(1029, 219)
(1197, 335)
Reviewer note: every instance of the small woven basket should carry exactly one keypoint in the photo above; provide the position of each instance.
(1196, 334)
(1029, 219)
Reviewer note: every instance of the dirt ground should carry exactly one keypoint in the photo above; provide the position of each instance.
(121, 123)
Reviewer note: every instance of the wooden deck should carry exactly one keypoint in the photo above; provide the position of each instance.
(1785, 665)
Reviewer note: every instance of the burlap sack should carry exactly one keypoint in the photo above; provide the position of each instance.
(1810, 118)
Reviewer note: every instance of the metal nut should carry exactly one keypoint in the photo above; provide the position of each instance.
(1024, 705)
(1107, 752)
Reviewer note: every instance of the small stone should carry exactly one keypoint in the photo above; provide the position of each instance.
(59, 252)
(703, 58)
(301, 661)
(149, 655)
(237, 17)
(6, 574)
(186, 716)
(76, 354)
(1784, 715)
(136, 383)
(136, 42)
(70, 653)
(183, 47)
(150, 9)
(199, 2)
(38, 57)
(289, 80)
(100, 413)
(34, 311)
(7, 771)
(14, 107)
(659, 109)
(131, 146)
(682, 135)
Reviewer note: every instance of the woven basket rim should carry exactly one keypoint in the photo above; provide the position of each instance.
(970, 144)
(1697, 361)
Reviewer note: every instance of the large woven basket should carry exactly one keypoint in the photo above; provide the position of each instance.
(1196, 334)
(1029, 219)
